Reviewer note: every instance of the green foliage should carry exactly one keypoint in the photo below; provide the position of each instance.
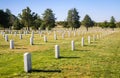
(48, 19)
(73, 18)
(87, 22)
(4, 19)
(30, 19)
(25, 17)
(118, 24)
(17, 25)
(63, 23)
(11, 18)
(112, 23)
(105, 24)
(37, 22)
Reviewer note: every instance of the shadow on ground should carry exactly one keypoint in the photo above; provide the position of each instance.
(69, 57)
(82, 50)
(37, 70)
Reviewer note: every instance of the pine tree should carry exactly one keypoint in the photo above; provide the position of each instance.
(112, 23)
(87, 22)
(48, 20)
(26, 17)
(73, 18)
(4, 21)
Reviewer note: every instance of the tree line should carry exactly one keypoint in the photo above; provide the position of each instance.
(28, 19)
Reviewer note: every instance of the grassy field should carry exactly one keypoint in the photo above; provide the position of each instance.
(100, 59)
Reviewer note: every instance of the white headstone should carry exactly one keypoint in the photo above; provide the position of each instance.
(45, 39)
(100, 35)
(11, 44)
(32, 34)
(74, 33)
(89, 40)
(24, 32)
(55, 37)
(20, 36)
(3, 33)
(63, 36)
(78, 33)
(27, 62)
(31, 40)
(57, 52)
(97, 36)
(82, 41)
(94, 38)
(11, 32)
(15, 33)
(68, 33)
(72, 45)
(6, 37)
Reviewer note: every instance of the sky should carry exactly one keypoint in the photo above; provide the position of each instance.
(98, 10)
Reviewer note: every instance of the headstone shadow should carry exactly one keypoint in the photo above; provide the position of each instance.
(82, 50)
(37, 70)
(20, 48)
(69, 57)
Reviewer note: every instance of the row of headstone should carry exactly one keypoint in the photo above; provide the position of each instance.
(28, 63)
(55, 36)
(45, 40)
(27, 56)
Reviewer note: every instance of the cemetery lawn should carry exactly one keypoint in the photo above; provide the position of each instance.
(100, 59)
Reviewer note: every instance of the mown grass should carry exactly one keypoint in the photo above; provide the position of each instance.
(100, 59)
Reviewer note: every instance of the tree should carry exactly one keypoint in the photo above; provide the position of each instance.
(17, 25)
(73, 18)
(118, 24)
(37, 22)
(105, 24)
(26, 17)
(87, 22)
(48, 19)
(63, 23)
(11, 18)
(112, 23)
(4, 19)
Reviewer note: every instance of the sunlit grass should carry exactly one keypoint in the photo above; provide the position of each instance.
(98, 59)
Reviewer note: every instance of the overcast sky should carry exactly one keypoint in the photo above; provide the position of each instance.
(98, 10)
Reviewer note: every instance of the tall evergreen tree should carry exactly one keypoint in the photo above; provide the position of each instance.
(48, 19)
(105, 24)
(112, 23)
(73, 18)
(4, 19)
(37, 22)
(87, 22)
(11, 18)
(26, 17)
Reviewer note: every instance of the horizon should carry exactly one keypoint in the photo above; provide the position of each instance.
(99, 10)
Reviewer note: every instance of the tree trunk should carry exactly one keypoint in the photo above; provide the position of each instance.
(28, 28)
(87, 28)
(113, 29)
(4, 29)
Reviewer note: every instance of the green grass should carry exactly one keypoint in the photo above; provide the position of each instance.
(100, 59)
